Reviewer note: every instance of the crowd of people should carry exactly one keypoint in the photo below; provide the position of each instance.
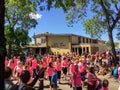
(80, 70)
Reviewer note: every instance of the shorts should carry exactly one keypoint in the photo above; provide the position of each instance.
(58, 74)
(50, 77)
(64, 70)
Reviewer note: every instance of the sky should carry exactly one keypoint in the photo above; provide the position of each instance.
(53, 21)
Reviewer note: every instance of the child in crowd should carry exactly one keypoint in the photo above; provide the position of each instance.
(58, 68)
(105, 85)
(17, 70)
(54, 80)
(115, 72)
(77, 79)
(50, 71)
(64, 65)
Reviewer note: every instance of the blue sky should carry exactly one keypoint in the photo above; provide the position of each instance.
(53, 21)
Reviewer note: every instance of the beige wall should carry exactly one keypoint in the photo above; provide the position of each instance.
(62, 44)
(59, 50)
(59, 43)
(75, 40)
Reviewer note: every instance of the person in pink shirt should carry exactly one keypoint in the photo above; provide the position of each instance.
(50, 71)
(119, 74)
(44, 63)
(71, 71)
(77, 81)
(64, 65)
(71, 67)
(11, 64)
(16, 59)
(6, 61)
(17, 70)
(92, 79)
(34, 64)
(48, 60)
(45, 66)
(80, 67)
(105, 85)
(58, 68)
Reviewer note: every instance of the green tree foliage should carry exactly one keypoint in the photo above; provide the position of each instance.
(115, 43)
(20, 38)
(18, 21)
(105, 15)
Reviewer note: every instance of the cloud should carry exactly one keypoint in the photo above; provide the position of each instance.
(35, 16)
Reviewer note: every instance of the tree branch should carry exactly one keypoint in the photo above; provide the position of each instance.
(116, 7)
(7, 17)
(105, 11)
(112, 18)
(116, 20)
(15, 21)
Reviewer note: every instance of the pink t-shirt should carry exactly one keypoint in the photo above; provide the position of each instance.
(12, 65)
(65, 63)
(6, 62)
(103, 88)
(50, 71)
(58, 66)
(48, 60)
(34, 64)
(77, 81)
(118, 73)
(91, 82)
(30, 59)
(71, 67)
(44, 64)
(16, 60)
(80, 67)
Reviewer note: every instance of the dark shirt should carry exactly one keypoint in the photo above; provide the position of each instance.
(8, 84)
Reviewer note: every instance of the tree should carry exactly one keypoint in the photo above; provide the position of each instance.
(115, 43)
(18, 21)
(20, 38)
(118, 35)
(105, 15)
(2, 43)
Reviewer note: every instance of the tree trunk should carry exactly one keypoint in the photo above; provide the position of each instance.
(2, 43)
(112, 46)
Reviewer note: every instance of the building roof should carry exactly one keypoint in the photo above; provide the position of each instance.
(51, 34)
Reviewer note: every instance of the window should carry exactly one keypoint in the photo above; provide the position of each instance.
(43, 40)
(83, 40)
(79, 39)
(86, 40)
(38, 40)
(95, 41)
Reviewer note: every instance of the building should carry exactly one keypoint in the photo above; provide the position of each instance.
(62, 43)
